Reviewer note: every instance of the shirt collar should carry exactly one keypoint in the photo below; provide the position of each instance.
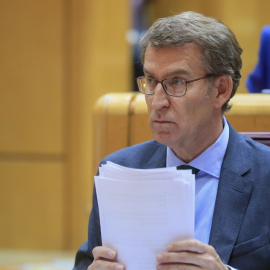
(210, 161)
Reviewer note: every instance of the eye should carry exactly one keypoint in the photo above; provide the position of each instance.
(177, 81)
(150, 80)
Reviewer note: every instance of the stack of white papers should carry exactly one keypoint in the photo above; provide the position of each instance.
(144, 210)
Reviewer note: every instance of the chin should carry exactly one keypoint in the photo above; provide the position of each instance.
(163, 138)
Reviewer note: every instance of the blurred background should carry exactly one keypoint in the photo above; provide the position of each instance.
(57, 57)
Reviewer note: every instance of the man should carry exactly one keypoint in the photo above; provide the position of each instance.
(192, 68)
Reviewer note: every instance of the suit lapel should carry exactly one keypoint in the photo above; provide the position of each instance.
(158, 158)
(234, 191)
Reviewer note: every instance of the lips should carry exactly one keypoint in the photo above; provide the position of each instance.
(162, 122)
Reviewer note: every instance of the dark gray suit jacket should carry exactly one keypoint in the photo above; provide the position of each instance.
(240, 230)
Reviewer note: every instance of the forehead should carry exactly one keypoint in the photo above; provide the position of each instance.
(183, 59)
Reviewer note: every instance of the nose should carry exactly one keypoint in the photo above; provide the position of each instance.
(160, 99)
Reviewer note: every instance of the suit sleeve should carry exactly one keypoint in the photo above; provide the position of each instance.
(84, 256)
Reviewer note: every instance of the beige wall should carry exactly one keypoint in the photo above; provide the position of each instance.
(57, 58)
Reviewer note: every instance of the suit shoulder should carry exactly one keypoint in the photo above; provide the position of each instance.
(258, 154)
(256, 145)
(136, 156)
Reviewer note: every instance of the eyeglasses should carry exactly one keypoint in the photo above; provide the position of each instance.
(173, 87)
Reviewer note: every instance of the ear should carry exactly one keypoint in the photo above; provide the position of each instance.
(223, 86)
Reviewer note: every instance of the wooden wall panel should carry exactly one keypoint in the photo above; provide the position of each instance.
(31, 77)
(32, 205)
(57, 59)
(32, 121)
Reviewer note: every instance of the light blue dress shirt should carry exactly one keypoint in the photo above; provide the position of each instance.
(209, 163)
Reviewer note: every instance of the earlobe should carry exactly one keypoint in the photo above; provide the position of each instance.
(223, 85)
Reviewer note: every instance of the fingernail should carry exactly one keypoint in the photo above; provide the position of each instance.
(159, 257)
(169, 247)
(111, 253)
(119, 267)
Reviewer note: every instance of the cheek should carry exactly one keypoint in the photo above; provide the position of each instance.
(148, 100)
(181, 109)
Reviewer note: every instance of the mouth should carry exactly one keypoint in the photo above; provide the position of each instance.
(162, 122)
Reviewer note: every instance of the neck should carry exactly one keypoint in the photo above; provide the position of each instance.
(190, 150)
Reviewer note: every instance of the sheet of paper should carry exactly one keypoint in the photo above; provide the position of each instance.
(142, 211)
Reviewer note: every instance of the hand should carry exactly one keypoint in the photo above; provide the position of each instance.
(189, 255)
(105, 258)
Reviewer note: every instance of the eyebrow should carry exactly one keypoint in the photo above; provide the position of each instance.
(175, 72)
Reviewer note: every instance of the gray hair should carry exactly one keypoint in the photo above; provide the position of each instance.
(221, 53)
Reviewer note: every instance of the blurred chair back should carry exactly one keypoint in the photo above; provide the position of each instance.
(121, 120)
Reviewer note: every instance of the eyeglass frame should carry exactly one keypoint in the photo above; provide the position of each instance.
(185, 82)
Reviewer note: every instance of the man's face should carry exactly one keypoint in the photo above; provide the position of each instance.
(183, 123)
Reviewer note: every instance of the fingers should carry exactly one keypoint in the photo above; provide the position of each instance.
(105, 259)
(104, 253)
(177, 267)
(176, 257)
(188, 245)
(190, 254)
(105, 265)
